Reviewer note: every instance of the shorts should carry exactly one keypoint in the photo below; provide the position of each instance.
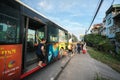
(41, 57)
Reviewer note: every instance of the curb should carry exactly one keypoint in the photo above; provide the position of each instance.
(62, 68)
(55, 70)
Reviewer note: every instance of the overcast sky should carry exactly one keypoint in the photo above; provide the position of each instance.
(73, 15)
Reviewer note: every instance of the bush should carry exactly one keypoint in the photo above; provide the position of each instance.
(100, 42)
(117, 36)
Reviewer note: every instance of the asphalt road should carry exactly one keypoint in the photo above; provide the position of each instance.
(50, 72)
(83, 67)
(79, 67)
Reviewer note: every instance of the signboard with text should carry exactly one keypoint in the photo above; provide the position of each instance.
(10, 60)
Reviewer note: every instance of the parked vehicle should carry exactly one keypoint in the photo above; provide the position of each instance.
(20, 29)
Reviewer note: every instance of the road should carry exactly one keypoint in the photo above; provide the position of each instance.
(79, 67)
(83, 67)
(51, 71)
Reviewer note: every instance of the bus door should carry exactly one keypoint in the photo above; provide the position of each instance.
(34, 31)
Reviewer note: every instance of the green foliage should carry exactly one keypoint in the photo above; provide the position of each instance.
(108, 59)
(99, 42)
(117, 36)
(98, 77)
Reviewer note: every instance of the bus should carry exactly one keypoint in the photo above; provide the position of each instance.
(20, 28)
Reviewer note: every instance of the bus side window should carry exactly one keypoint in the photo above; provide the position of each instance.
(3, 28)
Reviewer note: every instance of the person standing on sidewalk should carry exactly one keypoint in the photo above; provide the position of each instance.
(78, 48)
(84, 50)
(40, 52)
(74, 49)
(61, 52)
(70, 48)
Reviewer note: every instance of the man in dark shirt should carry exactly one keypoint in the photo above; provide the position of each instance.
(41, 52)
(78, 47)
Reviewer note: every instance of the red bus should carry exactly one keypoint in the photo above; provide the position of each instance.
(20, 28)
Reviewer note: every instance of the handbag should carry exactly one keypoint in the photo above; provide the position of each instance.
(83, 51)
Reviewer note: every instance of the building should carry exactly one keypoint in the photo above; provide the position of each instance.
(102, 30)
(117, 34)
(112, 23)
(96, 28)
(109, 22)
(117, 22)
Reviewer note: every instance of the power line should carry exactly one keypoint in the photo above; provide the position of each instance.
(95, 15)
(95, 9)
(112, 2)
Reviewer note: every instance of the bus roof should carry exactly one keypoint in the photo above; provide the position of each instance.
(58, 25)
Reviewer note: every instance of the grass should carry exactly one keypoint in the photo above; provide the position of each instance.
(106, 58)
(100, 77)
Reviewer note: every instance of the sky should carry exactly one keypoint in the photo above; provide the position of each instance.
(72, 15)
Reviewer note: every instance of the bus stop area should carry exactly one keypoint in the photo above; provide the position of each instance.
(78, 67)
(50, 72)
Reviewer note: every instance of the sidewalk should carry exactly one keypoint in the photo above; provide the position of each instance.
(50, 72)
(83, 67)
(79, 67)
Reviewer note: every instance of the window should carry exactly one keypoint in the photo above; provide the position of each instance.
(53, 38)
(62, 36)
(109, 21)
(41, 34)
(9, 29)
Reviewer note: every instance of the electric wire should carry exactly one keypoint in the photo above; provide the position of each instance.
(101, 1)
